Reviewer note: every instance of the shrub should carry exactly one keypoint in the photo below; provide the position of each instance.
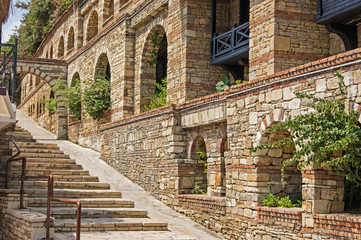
(317, 136)
(70, 95)
(274, 201)
(159, 97)
(96, 98)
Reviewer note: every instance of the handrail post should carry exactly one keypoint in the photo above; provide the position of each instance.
(50, 178)
(78, 220)
(23, 172)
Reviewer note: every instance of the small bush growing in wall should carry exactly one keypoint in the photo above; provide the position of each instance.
(159, 97)
(224, 83)
(97, 98)
(319, 135)
(275, 201)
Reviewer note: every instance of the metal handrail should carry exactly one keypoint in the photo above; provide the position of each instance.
(50, 195)
(50, 198)
(23, 172)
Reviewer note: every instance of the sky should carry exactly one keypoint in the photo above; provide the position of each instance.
(12, 22)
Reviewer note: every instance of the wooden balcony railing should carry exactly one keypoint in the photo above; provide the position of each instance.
(230, 44)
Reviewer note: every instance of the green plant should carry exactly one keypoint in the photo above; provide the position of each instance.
(275, 201)
(96, 98)
(198, 190)
(156, 41)
(70, 95)
(51, 104)
(318, 136)
(203, 158)
(224, 83)
(160, 96)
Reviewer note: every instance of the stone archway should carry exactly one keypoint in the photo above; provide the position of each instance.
(92, 28)
(153, 65)
(71, 39)
(61, 48)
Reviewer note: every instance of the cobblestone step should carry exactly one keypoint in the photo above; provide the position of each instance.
(85, 202)
(110, 224)
(67, 185)
(69, 213)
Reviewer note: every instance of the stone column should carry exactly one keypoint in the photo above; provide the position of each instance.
(284, 34)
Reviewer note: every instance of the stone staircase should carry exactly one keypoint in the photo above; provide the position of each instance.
(102, 209)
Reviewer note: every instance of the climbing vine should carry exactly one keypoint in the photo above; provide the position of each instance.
(156, 42)
(318, 136)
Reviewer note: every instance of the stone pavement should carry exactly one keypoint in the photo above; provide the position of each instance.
(181, 227)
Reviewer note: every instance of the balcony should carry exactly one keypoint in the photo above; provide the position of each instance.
(231, 47)
(336, 11)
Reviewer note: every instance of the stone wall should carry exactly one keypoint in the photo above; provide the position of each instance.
(20, 223)
(136, 147)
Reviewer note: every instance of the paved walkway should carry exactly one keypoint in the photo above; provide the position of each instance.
(181, 227)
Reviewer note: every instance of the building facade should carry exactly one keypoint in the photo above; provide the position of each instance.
(271, 48)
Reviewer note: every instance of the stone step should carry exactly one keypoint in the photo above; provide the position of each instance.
(44, 155)
(85, 202)
(37, 145)
(51, 160)
(55, 172)
(70, 213)
(65, 185)
(74, 193)
(46, 165)
(110, 224)
(66, 178)
(36, 149)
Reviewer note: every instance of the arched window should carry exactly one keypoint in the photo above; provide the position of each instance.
(92, 29)
(75, 109)
(194, 173)
(108, 9)
(61, 47)
(70, 44)
(51, 51)
(154, 65)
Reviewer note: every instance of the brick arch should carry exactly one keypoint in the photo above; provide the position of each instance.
(61, 47)
(102, 62)
(92, 26)
(199, 132)
(71, 39)
(222, 137)
(148, 76)
(274, 117)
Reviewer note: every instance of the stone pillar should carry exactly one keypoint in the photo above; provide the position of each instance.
(62, 131)
(322, 191)
(284, 34)
(189, 72)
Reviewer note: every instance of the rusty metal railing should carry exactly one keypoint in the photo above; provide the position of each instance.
(23, 172)
(48, 205)
(50, 195)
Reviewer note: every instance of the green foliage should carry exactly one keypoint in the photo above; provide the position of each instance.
(36, 23)
(198, 190)
(318, 136)
(156, 41)
(224, 83)
(203, 158)
(70, 95)
(275, 201)
(96, 98)
(51, 104)
(159, 97)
